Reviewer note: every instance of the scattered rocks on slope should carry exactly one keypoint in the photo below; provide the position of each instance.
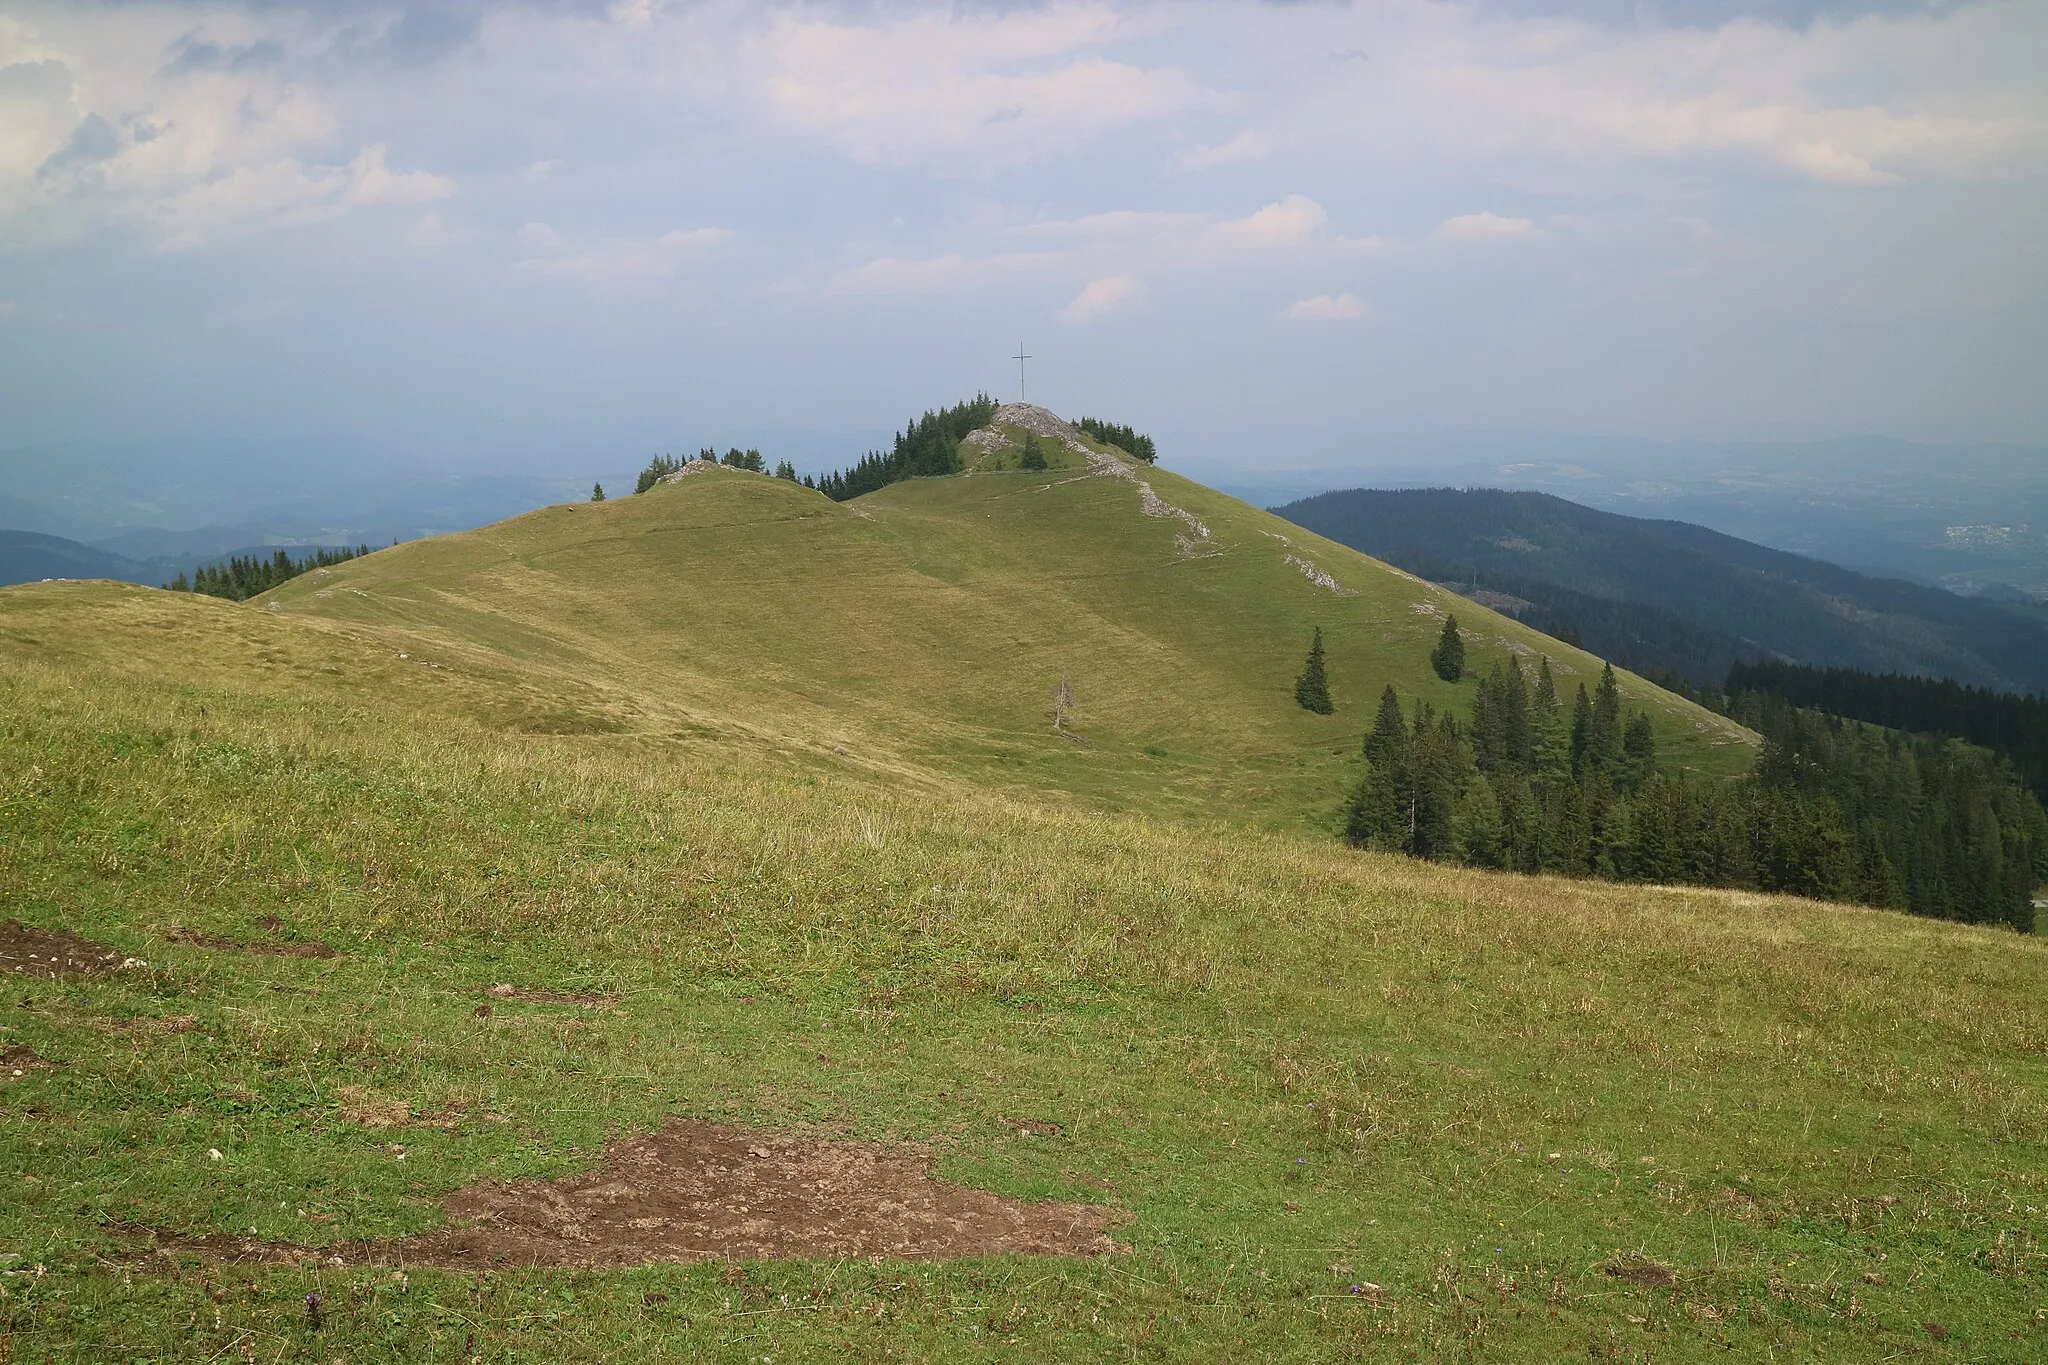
(1043, 422)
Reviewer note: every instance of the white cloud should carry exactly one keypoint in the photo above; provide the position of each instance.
(432, 232)
(1325, 308)
(938, 274)
(1296, 223)
(1099, 298)
(1293, 221)
(539, 172)
(286, 194)
(1870, 100)
(1474, 227)
(960, 90)
(1243, 147)
(614, 259)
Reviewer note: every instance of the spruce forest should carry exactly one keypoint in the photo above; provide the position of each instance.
(928, 446)
(244, 576)
(1834, 808)
(2013, 726)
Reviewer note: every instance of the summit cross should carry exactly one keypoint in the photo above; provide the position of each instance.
(1020, 358)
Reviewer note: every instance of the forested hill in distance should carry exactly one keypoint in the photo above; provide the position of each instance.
(1670, 595)
(29, 557)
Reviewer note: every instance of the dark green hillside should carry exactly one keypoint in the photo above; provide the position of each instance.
(28, 557)
(1628, 585)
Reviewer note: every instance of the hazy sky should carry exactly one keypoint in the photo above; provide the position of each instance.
(1278, 233)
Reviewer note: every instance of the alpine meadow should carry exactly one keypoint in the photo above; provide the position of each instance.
(936, 921)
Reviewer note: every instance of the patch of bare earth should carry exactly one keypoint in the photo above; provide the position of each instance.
(55, 953)
(19, 1060)
(1640, 1270)
(274, 948)
(703, 1191)
(535, 995)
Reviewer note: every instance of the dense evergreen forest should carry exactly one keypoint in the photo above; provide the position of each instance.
(244, 576)
(1833, 808)
(2014, 727)
(1670, 595)
(1646, 640)
(930, 445)
(1122, 437)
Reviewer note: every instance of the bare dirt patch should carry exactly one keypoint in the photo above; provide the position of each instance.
(1641, 1271)
(54, 953)
(1038, 1126)
(703, 1191)
(534, 995)
(278, 948)
(19, 1060)
(359, 1105)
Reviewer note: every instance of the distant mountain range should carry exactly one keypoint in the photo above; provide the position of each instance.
(1670, 595)
(27, 557)
(1970, 518)
(31, 557)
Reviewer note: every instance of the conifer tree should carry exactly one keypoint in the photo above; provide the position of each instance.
(1378, 813)
(1603, 733)
(1312, 688)
(1639, 750)
(1034, 458)
(658, 468)
(1582, 730)
(1389, 731)
(597, 492)
(1448, 658)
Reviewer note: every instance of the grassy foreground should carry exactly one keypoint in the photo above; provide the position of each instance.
(1356, 1108)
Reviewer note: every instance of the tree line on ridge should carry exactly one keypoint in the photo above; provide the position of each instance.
(929, 446)
(244, 576)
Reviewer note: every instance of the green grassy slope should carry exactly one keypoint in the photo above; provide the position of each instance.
(923, 628)
(1297, 1069)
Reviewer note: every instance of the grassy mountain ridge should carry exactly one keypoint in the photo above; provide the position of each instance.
(929, 622)
(1778, 604)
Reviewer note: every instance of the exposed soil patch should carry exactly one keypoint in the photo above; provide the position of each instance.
(54, 953)
(703, 1191)
(1038, 1126)
(310, 948)
(1642, 1271)
(534, 995)
(19, 1060)
(359, 1105)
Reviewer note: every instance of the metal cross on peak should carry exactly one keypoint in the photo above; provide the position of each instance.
(1020, 358)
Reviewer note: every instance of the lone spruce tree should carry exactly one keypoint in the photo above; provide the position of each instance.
(597, 492)
(1312, 688)
(1448, 658)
